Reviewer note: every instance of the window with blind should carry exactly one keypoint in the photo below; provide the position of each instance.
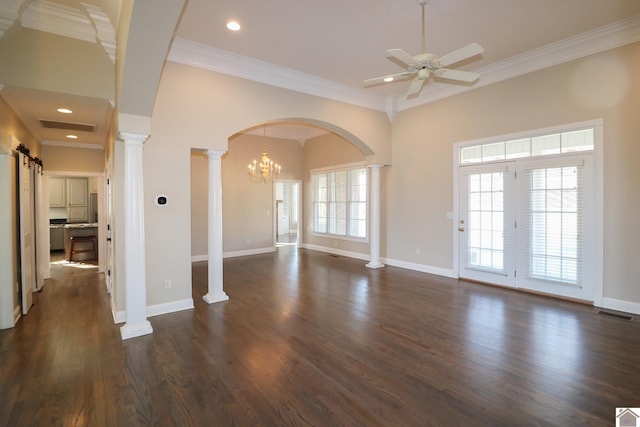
(553, 227)
(340, 202)
(539, 232)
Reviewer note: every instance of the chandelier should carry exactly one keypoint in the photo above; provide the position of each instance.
(266, 170)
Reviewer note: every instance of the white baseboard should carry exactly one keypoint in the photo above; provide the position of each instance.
(17, 313)
(258, 251)
(620, 305)
(335, 251)
(157, 309)
(233, 254)
(170, 307)
(420, 267)
(388, 261)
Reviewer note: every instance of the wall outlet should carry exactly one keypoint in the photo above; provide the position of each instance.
(167, 283)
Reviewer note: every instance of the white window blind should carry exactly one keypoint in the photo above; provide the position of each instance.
(340, 202)
(486, 221)
(553, 229)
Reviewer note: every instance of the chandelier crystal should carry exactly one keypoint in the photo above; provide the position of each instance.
(265, 171)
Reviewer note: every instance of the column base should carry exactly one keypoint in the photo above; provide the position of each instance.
(213, 298)
(131, 331)
(375, 265)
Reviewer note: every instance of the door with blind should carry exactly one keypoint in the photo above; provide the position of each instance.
(486, 223)
(556, 227)
(528, 224)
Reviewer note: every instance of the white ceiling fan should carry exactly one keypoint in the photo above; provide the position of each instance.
(423, 65)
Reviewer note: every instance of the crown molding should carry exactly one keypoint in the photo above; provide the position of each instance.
(9, 13)
(58, 19)
(72, 145)
(205, 57)
(104, 31)
(599, 40)
(91, 25)
(604, 38)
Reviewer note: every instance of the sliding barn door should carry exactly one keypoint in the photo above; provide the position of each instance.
(26, 175)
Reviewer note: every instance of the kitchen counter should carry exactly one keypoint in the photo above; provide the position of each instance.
(79, 229)
(81, 225)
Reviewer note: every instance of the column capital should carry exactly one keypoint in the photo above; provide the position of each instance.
(133, 137)
(376, 166)
(215, 153)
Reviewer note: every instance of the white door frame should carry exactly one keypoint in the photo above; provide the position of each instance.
(102, 220)
(598, 268)
(27, 240)
(290, 183)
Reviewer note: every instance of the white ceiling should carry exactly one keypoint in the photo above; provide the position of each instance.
(346, 41)
(343, 42)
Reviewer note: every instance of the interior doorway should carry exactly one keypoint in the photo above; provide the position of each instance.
(75, 205)
(287, 209)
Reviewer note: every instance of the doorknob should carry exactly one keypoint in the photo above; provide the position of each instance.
(460, 228)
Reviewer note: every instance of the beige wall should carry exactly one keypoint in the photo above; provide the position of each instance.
(198, 109)
(12, 130)
(202, 109)
(419, 185)
(71, 159)
(40, 60)
(247, 207)
(322, 152)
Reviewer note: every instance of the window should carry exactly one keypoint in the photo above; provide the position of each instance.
(340, 202)
(528, 211)
(553, 223)
(541, 145)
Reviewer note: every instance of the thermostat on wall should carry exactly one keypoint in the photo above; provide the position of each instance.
(161, 200)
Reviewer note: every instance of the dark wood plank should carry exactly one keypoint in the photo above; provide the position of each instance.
(312, 339)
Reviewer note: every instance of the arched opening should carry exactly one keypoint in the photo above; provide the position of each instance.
(250, 210)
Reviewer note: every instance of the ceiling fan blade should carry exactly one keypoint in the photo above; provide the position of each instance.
(404, 57)
(416, 87)
(463, 76)
(393, 77)
(461, 54)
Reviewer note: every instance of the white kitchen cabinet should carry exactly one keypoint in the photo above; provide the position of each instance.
(77, 200)
(57, 193)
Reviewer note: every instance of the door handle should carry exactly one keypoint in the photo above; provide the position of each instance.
(460, 228)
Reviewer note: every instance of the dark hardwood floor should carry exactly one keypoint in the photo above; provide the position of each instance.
(311, 339)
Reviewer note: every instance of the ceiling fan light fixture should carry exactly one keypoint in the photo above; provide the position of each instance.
(422, 65)
(233, 26)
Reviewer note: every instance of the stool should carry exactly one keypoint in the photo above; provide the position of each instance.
(83, 239)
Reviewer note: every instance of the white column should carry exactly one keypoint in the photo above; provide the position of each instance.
(134, 256)
(216, 293)
(374, 228)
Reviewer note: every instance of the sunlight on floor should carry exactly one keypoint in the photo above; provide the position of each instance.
(278, 244)
(66, 263)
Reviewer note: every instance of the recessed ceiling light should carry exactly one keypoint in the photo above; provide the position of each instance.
(388, 79)
(72, 136)
(65, 110)
(233, 26)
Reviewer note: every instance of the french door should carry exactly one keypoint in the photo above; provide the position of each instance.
(529, 224)
(486, 223)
